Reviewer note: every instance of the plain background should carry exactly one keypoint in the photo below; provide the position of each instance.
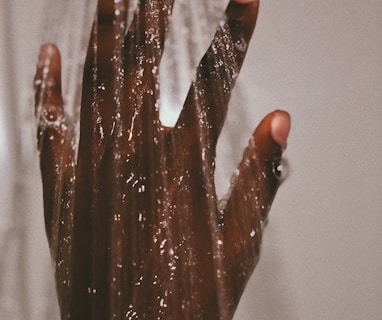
(322, 249)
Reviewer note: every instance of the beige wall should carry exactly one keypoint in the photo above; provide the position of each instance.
(322, 253)
(322, 256)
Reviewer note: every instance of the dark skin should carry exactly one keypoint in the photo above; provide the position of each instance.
(132, 216)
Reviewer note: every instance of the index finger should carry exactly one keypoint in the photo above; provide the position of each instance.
(216, 74)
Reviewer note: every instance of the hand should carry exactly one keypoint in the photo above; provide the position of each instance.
(132, 218)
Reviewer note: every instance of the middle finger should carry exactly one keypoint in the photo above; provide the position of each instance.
(103, 62)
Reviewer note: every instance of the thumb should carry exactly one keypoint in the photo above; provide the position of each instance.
(251, 197)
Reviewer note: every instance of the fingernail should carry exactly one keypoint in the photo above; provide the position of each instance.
(280, 127)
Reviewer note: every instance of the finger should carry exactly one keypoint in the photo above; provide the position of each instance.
(148, 29)
(144, 45)
(54, 140)
(252, 194)
(103, 65)
(210, 92)
(241, 17)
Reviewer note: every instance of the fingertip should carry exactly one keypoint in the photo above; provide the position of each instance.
(49, 62)
(271, 134)
(280, 126)
(47, 80)
(48, 53)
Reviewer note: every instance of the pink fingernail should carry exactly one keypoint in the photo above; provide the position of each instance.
(280, 127)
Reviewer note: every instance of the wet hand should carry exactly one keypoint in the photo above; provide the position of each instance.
(132, 217)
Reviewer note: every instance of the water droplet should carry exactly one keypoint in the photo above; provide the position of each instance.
(101, 87)
(92, 290)
(241, 45)
(280, 169)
